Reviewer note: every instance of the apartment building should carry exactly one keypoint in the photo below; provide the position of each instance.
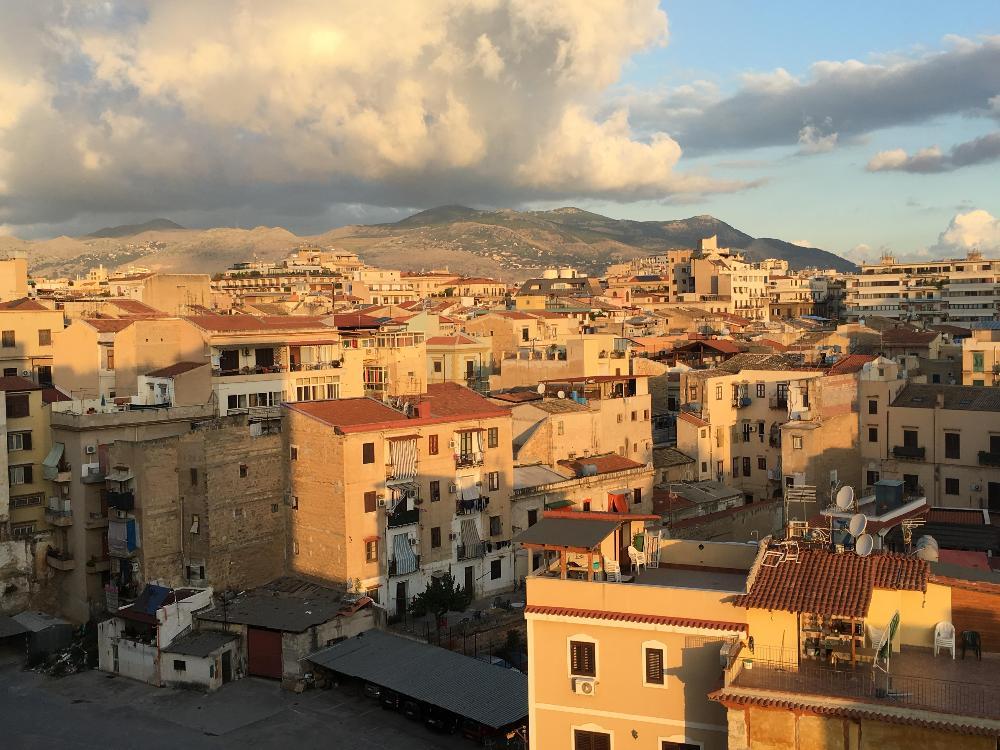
(555, 287)
(957, 290)
(795, 296)
(13, 278)
(394, 361)
(26, 508)
(102, 500)
(27, 330)
(628, 664)
(172, 293)
(510, 331)
(459, 359)
(378, 286)
(574, 355)
(384, 498)
(981, 355)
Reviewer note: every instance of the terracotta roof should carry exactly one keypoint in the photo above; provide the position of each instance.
(17, 383)
(355, 320)
(605, 464)
(955, 515)
(952, 329)
(109, 325)
(52, 395)
(455, 340)
(23, 303)
(596, 614)
(851, 363)
(776, 345)
(263, 323)
(175, 369)
(723, 346)
(905, 337)
(692, 419)
(959, 397)
(135, 307)
(831, 584)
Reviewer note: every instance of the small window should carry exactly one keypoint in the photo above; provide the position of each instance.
(645, 415)
(872, 406)
(492, 437)
(584, 740)
(194, 477)
(274, 507)
(532, 517)
(952, 445)
(436, 537)
(195, 523)
(495, 570)
(797, 442)
(18, 406)
(583, 658)
(243, 471)
(371, 550)
(496, 526)
(432, 445)
(873, 434)
(435, 490)
(293, 453)
(718, 393)
(761, 390)
(368, 453)
(180, 665)
(44, 337)
(7, 339)
(635, 416)
(621, 418)
(437, 366)
(653, 666)
(371, 503)
(636, 496)
(762, 463)
(951, 486)
(493, 480)
(871, 478)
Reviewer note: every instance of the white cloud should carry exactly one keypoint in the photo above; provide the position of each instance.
(977, 229)
(812, 140)
(803, 243)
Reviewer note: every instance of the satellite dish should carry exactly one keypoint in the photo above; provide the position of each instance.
(927, 549)
(864, 545)
(541, 388)
(927, 541)
(845, 497)
(857, 524)
(561, 394)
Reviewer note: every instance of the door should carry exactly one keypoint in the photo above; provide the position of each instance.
(227, 666)
(401, 598)
(264, 653)
(229, 360)
(993, 497)
(470, 578)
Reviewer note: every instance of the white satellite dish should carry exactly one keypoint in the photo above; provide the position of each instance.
(927, 541)
(561, 394)
(864, 545)
(857, 524)
(927, 549)
(845, 497)
(541, 388)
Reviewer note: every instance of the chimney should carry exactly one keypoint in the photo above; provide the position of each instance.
(423, 410)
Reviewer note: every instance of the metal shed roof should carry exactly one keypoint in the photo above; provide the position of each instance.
(200, 643)
(583, 533)
(9, 626)
(474, 689)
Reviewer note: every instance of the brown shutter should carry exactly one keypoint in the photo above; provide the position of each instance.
(26, 440)
(654, 666)
(370, 505)
(582, 661)
(368, 453)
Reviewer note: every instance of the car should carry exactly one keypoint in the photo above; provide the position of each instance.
(372, 690)
(390, 700)
(411, 709)
(439, 720)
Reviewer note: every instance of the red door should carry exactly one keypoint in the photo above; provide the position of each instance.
(264, 653)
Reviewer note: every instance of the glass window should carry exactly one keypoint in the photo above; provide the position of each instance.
(952, 445)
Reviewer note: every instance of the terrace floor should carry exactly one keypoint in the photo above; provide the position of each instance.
(688, 578)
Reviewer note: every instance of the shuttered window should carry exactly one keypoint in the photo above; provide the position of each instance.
(584, 740)
(583, 659)
(18, 406)
(654, 666)
(370, 502)
(368, 453)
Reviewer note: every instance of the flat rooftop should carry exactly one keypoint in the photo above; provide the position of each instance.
(688, 578)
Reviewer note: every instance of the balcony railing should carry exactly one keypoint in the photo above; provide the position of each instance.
(302, 366)
(910, 452)
(472, 506)
(60, 560)
(471, 552)
(58, 516)
(250, 370)
(989, 458)
(465, 460)
(397, 568)
(121, 500)
(403, 518)
(742, 402)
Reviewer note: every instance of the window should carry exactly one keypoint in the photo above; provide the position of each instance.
(652, 665)
(952, 445)
(437, 365)
(718, 393)
(736, 466)
(493, 480)
(26, 501)
(195, 523)
(194, 477)
(872, 406)
(977, 361)
(560, 428)
(432, 445)
(180, 665)
(496, 526)
(18, 406)
(19, 475)
(7, 339)
(797, 442)
(671, 745)
(492, 437)
(746, 466)
(111, 360)
(584, 740)
(371, 503)
(873, 434)
(18, 441)
(871, 478)
(621, 418)
(495, 570)
(909, 438)
(762, 463)
(704, 467)
(636, 495)
(372, 593)
(435, 490)
(243, 471)
(371, 550)
(44, 337)
(436, 537)
(634, 416)
(583, 658)
(532, 517)
(368, 453)
(22, 530)
(950, 486)
(761, 392)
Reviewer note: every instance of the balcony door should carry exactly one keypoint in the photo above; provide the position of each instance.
(229, 360)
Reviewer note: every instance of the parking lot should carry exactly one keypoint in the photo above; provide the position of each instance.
(95, 710)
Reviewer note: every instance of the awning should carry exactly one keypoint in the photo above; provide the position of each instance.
(467, 488)
(556, 504)
(117, 537)
(50, 466)
(406, 561)
(403, 458)
(120, 475)
(470, 534)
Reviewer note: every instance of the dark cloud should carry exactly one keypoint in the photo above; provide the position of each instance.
(931, 160)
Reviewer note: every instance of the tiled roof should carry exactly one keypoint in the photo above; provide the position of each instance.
(109, 325)
(677, 622)
(455, 340)
(253, 323)
(955, 515)
(747, 361)
(958, 397)
(23, 304)
(135, 307)
(175, 369)
(905, 337)
(723, 346)
(952, 329)
(666, 457)
(851, 363)
(453, 400)
(692, 419)
(605, 464)
(17, 383)
(777, 346)
(52, 395)
(831, 584)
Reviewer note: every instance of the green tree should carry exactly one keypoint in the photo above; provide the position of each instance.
(442, 595)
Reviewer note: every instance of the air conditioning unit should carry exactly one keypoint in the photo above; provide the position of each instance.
(584, 685)
(380, 502)
(25, 373)
(977, 488)
(411, 494)
(452, 488)
(90, 450)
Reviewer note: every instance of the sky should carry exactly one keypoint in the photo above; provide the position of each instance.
(854, 127)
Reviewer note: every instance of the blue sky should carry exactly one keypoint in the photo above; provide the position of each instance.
(827, 199)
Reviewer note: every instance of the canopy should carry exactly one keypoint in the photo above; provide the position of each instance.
(406, 561)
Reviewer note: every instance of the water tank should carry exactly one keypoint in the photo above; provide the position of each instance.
(888, 494)
(566, 273)
(550, 273)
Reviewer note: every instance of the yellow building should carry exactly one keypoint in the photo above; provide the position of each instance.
(458, 359)
(981, 355)
(26, 447)
(27, 329)
(13, 278)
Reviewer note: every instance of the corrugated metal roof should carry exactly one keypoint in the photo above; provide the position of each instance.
(488, 694)
(583, 533)
(200, 643)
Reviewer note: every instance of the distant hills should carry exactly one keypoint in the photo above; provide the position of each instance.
(504, 243)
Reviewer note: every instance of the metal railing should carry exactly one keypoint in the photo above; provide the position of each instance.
(989, 458)
(396, 570)
(464, 460)
(470, 552)
(471, 507)
(909, 451)
(403, 518)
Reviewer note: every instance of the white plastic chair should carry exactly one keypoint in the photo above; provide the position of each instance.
(944, 637)
(613, 571)
(637, 557)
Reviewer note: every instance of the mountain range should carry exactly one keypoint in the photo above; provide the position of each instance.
(507, 244)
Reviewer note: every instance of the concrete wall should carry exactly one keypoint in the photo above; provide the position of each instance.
(13, 278)
(136, 660)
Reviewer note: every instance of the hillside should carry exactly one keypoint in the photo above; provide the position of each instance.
(507, 244)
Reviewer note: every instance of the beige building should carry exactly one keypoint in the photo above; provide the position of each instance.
(383, 498)
(458, 359)
(510, 331)
(27, 331)
(13, 278)
(25, 507)
(574, 356)
(981, 355)
(172, 293)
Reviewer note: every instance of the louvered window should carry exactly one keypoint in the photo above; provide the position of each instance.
(583, 659)
(654, 666)
(583, 740)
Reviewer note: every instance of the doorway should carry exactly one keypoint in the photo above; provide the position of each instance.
(470, 579)
(227, 667)
(401, 598)
(993, 497)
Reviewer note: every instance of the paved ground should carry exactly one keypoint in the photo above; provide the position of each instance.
(95, 710)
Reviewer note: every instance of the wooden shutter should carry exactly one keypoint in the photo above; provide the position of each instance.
(368, 453)
(654, 666)
(370, 499)
(17, 406)
(26, 441)
(582, 659)
(584, 740)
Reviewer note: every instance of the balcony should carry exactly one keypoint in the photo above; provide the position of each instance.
(403, 567)
(305, 366)
(778, 402)
(60, 560)
(218, 372)
(468, 460)
(471, 552)
(472, 506)
(96, 521)
(742, 402)
(98, 564)
(403, 518)
(121, 500)
(909, 452)
(58, 516)
(989, 458)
